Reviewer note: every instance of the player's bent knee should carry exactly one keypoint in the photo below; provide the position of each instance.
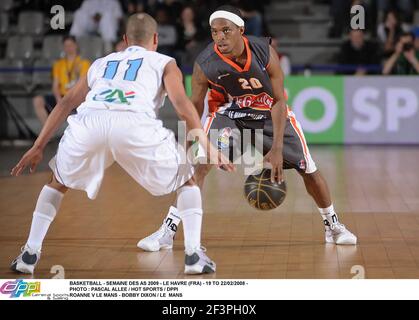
(309, 175)
(203, 169)
(48, 204)
(55, 184)
(191, 182)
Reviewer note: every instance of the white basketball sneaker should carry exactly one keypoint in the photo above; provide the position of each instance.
(197, 262)
(26, 261)
(161, 239)
(338, 234)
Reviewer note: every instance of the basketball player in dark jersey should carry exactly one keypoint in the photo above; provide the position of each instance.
(242, 80)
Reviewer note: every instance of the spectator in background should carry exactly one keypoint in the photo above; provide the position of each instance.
(174, 6)
(340, 13)
(135, 6)
(65, 73)
(405, 59)
(415, 32)
(192, 38)
(167, 32)
(405, 7)
(190, 31)
(284, 60)
(252, 15)
(358, 52)
(203, 10)
(390, 30)
(98, 17)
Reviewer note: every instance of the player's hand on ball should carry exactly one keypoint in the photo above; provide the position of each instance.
(31, 158)
(274, 157)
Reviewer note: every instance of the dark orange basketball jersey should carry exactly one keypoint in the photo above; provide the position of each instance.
(235, 91)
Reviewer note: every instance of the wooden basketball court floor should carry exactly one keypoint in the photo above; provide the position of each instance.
(375, 191)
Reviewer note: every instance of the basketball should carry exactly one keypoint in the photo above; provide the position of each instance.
(261, 193)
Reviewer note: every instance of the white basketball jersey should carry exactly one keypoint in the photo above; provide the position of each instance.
(130, 80)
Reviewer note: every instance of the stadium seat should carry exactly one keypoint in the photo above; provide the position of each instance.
(314, 30)
(284, 10)
(52, 47)
(30, 23)
(41, 76)
(285, 30)
(307, 54)
(416, 18)
(91, 47)
(6, 5)
(19, 48)
(69, 18)
(4, 23)
(320, 11)
(326, 56)
(12, 74)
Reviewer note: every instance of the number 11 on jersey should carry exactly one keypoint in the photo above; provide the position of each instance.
(130, 73)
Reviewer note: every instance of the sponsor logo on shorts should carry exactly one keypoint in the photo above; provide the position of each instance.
(224, 138)
(237, 115)
(302, 164)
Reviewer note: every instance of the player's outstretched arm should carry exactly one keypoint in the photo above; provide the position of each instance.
(173, 82)
(59, 114)
(199, 89)
(279, 115)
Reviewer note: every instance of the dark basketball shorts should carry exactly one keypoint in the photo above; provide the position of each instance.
(237, 135)
(50, 102)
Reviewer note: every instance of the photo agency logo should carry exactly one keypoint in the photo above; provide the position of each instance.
(20, 288)
(58, 19)
(242, 146)
(358, 17)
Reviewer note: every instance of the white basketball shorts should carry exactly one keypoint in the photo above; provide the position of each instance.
(139, 143)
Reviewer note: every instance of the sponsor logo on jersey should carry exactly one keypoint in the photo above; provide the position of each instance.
(262, 101)
(223, 75)
(115, 96)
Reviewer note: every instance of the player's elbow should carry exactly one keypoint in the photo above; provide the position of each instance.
(68, 103)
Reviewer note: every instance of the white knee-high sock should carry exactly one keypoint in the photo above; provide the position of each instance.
(48, 203)
(189, 205)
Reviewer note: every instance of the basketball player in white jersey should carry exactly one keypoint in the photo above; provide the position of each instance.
(116, 121)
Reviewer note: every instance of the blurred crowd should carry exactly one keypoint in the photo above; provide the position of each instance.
(390, 40)
(391, 37)
(389, 44)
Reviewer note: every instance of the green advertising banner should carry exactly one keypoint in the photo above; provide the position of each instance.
(360, 110)
(188, 84)
(318, 103)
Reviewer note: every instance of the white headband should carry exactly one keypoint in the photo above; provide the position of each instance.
(227, 15)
